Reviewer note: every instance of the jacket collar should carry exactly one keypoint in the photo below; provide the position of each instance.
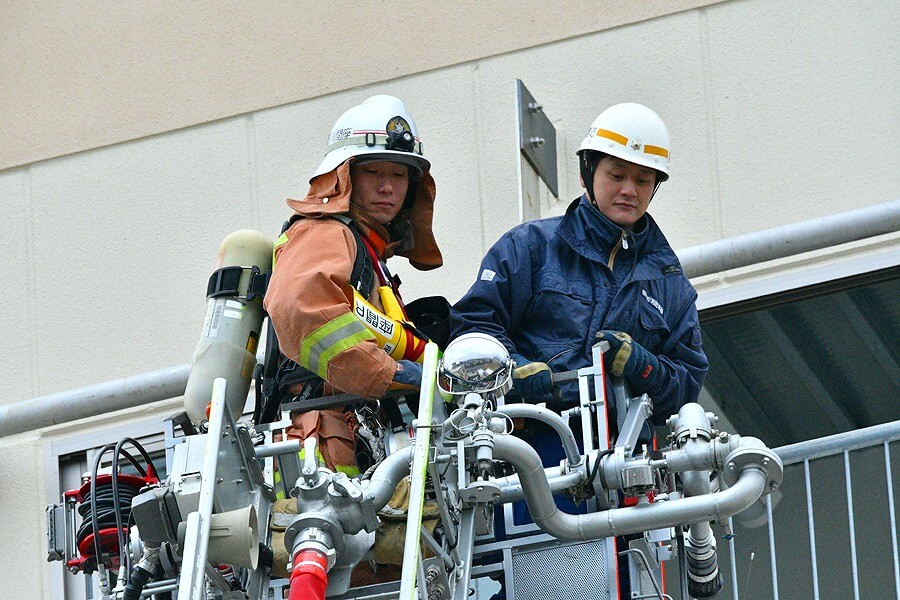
(594, 237)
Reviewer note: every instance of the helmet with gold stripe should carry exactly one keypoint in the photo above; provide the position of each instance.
(628, 131)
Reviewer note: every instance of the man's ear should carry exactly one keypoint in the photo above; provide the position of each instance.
(581, 179)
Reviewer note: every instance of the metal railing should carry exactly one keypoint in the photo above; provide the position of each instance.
(836, 446)
(696, 261)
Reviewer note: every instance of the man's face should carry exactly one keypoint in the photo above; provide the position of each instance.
(380, 188)
(622, 190)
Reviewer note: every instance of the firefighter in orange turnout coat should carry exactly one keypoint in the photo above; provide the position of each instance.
(340, 322)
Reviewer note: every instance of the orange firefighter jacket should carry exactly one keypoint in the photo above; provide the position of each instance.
(309, 298)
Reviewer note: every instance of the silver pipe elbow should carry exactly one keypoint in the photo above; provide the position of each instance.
(380, 487)
(749, 482)
(530, 411)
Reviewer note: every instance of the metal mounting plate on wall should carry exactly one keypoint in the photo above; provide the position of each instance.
(537, 137)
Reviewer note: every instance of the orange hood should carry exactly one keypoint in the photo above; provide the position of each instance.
(329, 194)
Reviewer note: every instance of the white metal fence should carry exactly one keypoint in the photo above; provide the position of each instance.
(832, 531)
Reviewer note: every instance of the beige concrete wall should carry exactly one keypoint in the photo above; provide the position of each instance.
(779, 111)
(76, 76)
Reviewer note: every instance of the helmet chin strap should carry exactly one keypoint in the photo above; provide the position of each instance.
(587, 173)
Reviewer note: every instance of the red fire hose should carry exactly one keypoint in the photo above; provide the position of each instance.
(309, 578)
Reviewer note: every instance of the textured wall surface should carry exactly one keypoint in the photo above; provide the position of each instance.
(84, 75)
(779, 111)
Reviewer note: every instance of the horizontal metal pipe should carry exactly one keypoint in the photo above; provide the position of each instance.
(714, 257)
(276, 448)
(160, 587)
(621, 521)
(93, 400)
(788, 240)
(841, 442)
(530, 411)
(511, 488)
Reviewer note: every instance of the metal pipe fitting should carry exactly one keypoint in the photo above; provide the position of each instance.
(316, 539)
(511, 488)
(750, 483)
(704, 577)
(691, 422)
(530, 411)
(380, 487)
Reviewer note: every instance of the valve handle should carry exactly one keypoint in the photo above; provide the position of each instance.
(310, 469)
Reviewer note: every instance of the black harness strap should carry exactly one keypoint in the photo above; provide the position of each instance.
(362, 276)
(226, 282)
(279, 373)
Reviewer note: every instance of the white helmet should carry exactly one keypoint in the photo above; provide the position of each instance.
(379, 128)
(631, 132)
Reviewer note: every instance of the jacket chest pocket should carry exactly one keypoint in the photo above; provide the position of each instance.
(654, 331)
(561, 310)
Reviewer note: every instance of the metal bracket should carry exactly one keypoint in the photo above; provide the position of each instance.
(537, 137)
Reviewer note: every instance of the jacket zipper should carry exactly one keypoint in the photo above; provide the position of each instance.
(622, 243)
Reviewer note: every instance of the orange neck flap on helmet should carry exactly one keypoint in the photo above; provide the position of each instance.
(329, 194)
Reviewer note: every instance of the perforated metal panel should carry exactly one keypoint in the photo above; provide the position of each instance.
(563, 572)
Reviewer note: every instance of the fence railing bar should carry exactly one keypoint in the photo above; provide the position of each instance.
(734, 575)
(772, 548)
(812, 531)
(841, 442)
(890, 488)
(852, 525)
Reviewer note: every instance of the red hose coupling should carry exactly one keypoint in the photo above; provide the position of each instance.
(309, 577)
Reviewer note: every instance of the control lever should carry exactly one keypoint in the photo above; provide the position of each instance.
(566, 376)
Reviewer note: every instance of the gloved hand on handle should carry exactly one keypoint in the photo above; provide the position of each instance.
(531, 379)
(408, 374)
(626, 358)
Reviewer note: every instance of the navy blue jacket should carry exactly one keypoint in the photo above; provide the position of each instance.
(548, 286)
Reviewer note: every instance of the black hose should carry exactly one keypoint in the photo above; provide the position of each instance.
(596, 469)
(106, 505)
(120, 513)
(136, 582)
(95, 525)
(102, 509)
(99, 512)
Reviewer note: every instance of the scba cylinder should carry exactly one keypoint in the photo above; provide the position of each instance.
(231, 330)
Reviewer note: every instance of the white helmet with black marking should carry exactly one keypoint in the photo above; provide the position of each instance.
(379, 129)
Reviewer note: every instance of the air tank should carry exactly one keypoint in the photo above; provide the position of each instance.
(233, 323)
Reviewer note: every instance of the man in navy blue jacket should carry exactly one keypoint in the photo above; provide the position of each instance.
(549, 289)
